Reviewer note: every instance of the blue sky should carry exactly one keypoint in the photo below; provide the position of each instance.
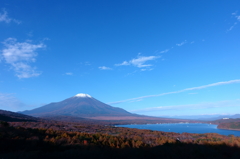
(154, 57)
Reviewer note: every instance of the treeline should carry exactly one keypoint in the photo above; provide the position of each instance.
(72, 140)
(149, 137)
(230, 125)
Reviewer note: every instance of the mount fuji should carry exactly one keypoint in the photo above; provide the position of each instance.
(80, 105)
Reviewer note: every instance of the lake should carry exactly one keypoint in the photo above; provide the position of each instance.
(184, 127)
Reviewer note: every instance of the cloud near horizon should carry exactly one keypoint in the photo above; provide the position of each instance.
(180, 91)
(218, 104)
(8, 101)
(20, 55)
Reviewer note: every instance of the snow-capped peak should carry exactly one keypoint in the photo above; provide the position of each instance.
(82, 95)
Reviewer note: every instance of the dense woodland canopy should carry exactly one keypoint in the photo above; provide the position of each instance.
(54, 139)
(230, 124)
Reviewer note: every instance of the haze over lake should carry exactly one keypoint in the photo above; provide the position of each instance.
(185, 127)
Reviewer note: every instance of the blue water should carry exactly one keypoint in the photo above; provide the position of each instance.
(185, 127)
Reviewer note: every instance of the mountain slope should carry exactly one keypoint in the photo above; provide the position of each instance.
(80, 105)
(15, 117)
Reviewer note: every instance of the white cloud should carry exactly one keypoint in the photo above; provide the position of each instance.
(232, 26)
(237, 18)
(182, 43)
(5, 18)
(164, 51)
(211, 85)
(139, 61)
(180, 91)
(206, 105)
(20, 55)
(69, 73)
(124, 63)
(104, 68)
(146, 69)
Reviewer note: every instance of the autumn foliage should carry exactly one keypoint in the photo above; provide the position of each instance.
(74, 140)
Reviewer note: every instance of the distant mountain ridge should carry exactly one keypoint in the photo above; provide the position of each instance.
(15, 117)
(205, 117)
(80, 105)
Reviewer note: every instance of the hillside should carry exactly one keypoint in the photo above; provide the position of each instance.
(230, 124)
(15, 117)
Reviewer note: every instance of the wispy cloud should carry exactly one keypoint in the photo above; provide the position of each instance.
(219, 104)
(235, 23)
(180, 91)
(5, 18)
(124, 63)
(87, 63)
(139, 62)
(104, 68)
(20, 55)
(236, 16)
(69, 73)
(164, 51)
(232, 26)
(182, 43)
(144, 69)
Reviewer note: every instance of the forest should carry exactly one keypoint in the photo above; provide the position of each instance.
(230, 124)
(54, 139)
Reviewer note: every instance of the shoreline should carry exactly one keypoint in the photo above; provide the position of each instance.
(165, 123)
(235, 133)
(229, 129)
